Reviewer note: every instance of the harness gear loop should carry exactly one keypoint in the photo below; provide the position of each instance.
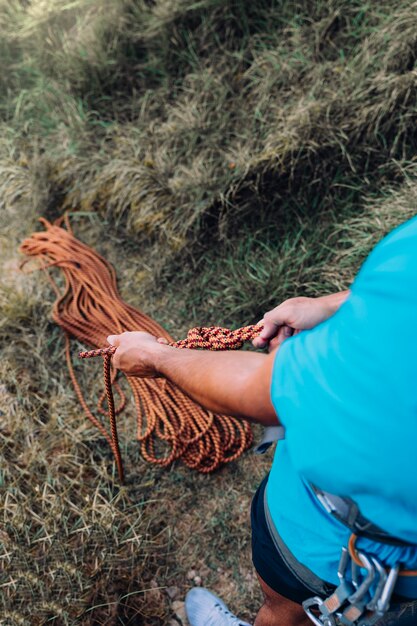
(355, 556)
(347, 512)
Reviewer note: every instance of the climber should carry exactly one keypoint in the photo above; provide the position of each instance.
(340, 377)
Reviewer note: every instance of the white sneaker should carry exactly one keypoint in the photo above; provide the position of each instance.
(203, 608)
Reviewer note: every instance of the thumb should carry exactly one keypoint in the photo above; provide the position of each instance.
(270, 329)
(113, 340)
(283, 334)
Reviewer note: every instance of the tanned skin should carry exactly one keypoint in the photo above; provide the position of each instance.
(232, 383)
(224, 382)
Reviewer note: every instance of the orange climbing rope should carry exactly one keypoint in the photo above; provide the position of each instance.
(169, 424)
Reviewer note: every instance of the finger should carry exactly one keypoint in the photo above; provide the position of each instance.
(276, 341)
(113, 340)
(283, 334)
(162, 340)
(269, 330)
(262, 342)
(116, 361)
(273, 344)
(259, 343)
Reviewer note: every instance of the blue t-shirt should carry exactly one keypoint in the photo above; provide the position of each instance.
(346, 392)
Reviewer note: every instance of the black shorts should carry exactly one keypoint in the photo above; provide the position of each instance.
(266, 559)
(273, 570)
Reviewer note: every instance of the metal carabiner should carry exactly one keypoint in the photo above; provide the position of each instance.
(355, 574)
(382, 603)
(323, 620)
(336, 600)
(357, 601)
(363, 588)
(373, 603)
(384, 600)
(343, 563)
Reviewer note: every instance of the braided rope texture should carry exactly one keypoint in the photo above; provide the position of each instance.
(170, 425)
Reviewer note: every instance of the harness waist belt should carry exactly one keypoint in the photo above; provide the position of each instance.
(347, 511)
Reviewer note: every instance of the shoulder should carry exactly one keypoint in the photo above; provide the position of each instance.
(394, 254)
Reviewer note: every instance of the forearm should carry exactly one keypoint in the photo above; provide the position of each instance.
(232, 383)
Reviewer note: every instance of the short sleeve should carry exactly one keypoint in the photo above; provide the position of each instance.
(345, 390)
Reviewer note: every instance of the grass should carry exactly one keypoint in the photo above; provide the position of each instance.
(223, 156)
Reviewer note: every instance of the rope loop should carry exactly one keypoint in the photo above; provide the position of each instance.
(217, 338)
(88, 307)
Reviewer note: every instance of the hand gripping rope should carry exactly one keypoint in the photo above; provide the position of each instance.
(89, 308)
(211, 338)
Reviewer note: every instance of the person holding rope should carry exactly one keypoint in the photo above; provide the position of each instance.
(334, 524)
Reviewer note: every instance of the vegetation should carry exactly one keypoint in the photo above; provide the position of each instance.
(223, 155)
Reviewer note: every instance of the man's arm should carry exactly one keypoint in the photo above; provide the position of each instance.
(233, 383)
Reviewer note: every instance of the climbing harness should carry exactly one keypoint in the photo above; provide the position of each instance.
(347, 511)
(360, 599)
(170, 425)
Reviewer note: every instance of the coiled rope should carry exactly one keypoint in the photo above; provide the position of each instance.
(169, 424)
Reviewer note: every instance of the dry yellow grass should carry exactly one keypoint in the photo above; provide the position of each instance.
(223, 156)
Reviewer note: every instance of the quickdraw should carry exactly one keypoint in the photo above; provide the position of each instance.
(360, 599)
